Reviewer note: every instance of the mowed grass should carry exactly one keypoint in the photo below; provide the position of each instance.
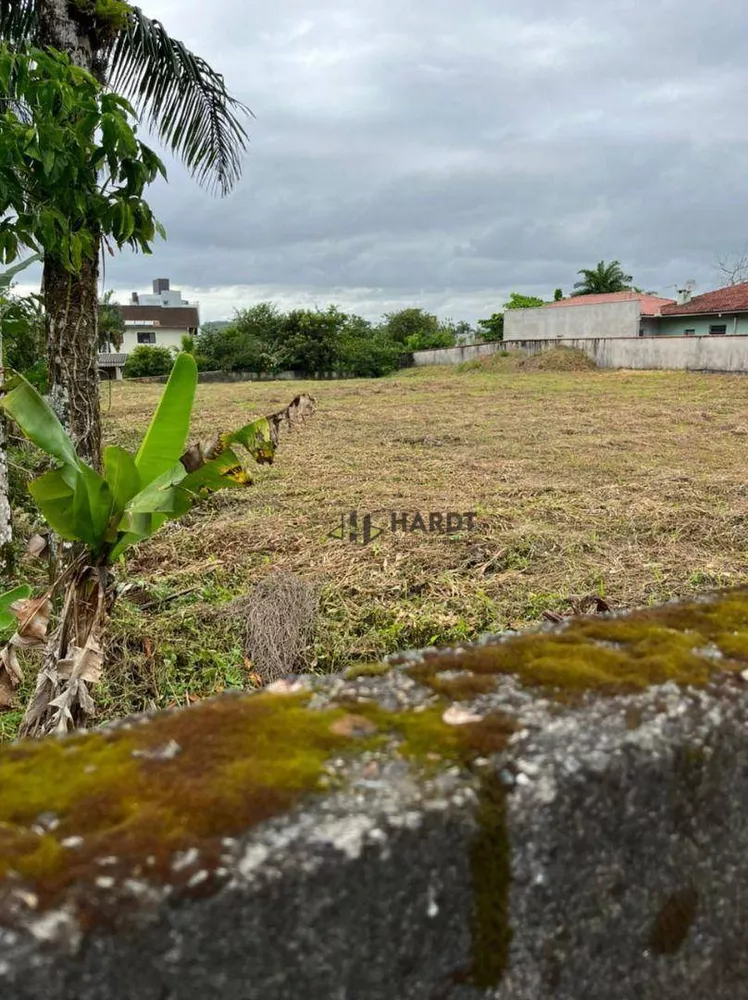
(627, 485)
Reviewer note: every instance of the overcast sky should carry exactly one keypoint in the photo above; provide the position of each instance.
(443, 153)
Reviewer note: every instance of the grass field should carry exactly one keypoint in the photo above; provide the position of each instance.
(627, 485)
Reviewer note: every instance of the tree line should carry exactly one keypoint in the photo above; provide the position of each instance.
(317, 342)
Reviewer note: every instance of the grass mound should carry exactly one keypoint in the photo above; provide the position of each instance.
(557, 359)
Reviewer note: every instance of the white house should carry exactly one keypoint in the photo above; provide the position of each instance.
(160, 319)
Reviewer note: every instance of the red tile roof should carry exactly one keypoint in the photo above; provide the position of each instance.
(723, 300)
(651, 305)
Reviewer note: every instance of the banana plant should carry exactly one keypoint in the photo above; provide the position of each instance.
(107, 512)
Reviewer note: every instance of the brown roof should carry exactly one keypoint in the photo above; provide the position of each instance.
(723, 300)
(651, 305)
(169, 317)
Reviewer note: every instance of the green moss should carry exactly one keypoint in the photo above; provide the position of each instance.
(425, 737)
(491, 869)
(463, 687)
(367, 670)
(615, 655)
(673, 922)
(240, 761)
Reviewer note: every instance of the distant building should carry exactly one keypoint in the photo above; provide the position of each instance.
(723, 312)
(159, 319)
(613, 314)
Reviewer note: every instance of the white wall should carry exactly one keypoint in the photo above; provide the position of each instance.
(164, 338)
(454, 355)
(718, 354)
(609, 319)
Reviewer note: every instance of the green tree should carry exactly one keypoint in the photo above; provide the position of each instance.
(416, 330)
(111, 324)
(366, 351)
(517, 301)
(186, 104)
(460, 331)
(601, 279)
(145, 361)
(491, 329)
(558, 295)
(13, 322)
(252, 341)
(72, 171)
(312, 339)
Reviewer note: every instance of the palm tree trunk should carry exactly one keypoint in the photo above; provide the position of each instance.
(71, 300)
(71, 305)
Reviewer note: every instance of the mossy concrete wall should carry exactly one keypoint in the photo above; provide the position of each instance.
(561, 814)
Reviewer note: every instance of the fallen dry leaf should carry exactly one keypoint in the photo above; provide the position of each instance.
(33, 617)
(37, 546)
(455, 715)
(353, 725)
(10, 676)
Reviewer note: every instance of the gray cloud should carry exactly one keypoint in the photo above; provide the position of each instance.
(445, 154)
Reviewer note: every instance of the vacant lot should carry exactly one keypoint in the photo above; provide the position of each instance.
(630, 486)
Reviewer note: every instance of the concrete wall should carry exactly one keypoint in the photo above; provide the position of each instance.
(676, 326)
(719, 354)
(611, 319)
(242, 377)
(359, 837)
(455, 355)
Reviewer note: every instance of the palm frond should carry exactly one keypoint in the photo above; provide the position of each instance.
(18, 21)
(183, 100)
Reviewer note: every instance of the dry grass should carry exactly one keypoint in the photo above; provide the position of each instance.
(629, 485)
(277, 623)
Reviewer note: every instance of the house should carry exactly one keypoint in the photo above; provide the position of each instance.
(723, 312)
(159, 319)
(613, 314)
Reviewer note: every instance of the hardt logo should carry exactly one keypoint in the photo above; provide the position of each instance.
(362, 529)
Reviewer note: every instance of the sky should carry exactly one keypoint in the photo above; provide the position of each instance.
(443, 154)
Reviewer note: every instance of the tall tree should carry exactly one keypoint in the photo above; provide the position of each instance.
(6, 317)
(186, 103)
(111, 323)
(602, 278)
(733, 267)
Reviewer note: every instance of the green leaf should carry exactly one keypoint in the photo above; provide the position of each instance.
(92, 503)
(54, 497)
(37, 420)
(148, 509)
(256, 438)
(6, 277)
(122, 476)
(7, 618)
(219, 473)
(165, 439)
(75, 502)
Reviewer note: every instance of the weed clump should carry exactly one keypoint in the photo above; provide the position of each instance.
(278, 618)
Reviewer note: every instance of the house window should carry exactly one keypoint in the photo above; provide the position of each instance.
(689, 333)
(718, 328)
(149, 338)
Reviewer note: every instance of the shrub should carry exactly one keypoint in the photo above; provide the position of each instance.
(145, 361)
